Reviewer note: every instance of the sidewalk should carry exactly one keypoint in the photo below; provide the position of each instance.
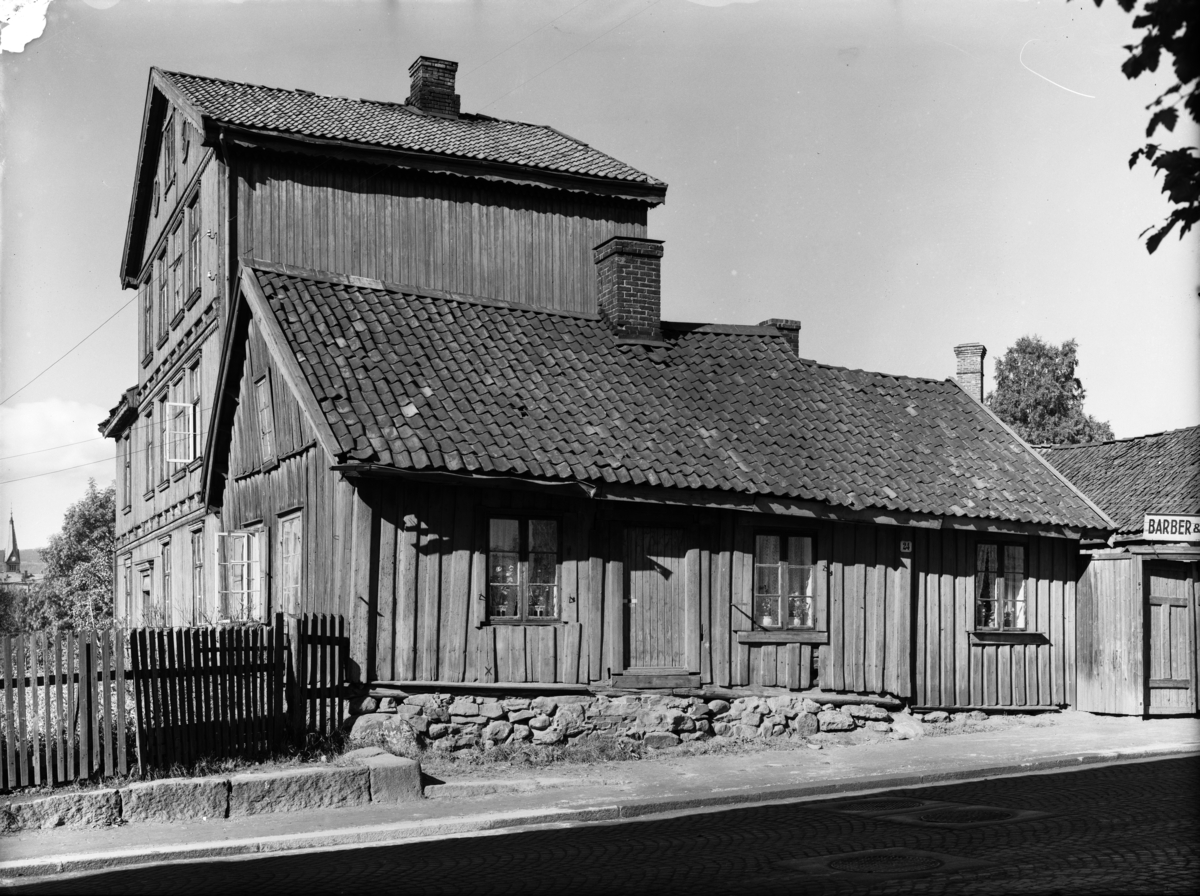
(613, 792)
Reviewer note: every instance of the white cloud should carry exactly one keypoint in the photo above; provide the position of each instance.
(38, 485)
(20, 22)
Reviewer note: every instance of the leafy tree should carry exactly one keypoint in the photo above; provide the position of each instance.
(1170, 26)
(1038, 394)
(78, 589)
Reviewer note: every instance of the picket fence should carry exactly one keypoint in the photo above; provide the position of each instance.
(82, 705)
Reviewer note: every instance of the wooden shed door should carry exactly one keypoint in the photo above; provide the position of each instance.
(1172, 650)
(656, 592)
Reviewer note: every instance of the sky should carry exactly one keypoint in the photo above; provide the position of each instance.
(900, 176)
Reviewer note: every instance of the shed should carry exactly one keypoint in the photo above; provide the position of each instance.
(1137, 599)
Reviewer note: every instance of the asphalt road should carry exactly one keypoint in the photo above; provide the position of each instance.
(1121, 829)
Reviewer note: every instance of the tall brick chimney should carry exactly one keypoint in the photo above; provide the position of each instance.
(629, 293)
(433, 86)
(970, 368)
(789, 328)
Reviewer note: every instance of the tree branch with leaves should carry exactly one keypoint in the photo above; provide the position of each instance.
(1169, 27)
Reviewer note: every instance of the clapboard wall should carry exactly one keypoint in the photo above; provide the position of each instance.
(955, 668)
(527, 244)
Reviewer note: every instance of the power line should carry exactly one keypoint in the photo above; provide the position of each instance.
(55, 448)
(569, 55)
(525, 38)
(68, 351)
(106, 460)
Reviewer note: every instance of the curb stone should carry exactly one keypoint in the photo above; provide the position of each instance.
(27, 870)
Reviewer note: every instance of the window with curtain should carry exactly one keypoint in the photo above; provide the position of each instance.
(783, 581)
(522, 569)
(1000, 602)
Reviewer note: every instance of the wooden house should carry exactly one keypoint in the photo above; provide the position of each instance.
(1137, 597)
(447, 408)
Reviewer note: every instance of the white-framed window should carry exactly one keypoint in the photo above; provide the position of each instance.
(164, 427)
(127, 471)
(783, 581)
(523, 569)
(240, 592)
(181, 432)
(1000, 587)
(150, 461)
(291, 562)
(198, 604)
(266, 418)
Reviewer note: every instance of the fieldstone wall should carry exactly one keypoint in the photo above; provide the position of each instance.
(449, 722)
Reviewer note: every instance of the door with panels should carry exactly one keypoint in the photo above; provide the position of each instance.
(1170, 637)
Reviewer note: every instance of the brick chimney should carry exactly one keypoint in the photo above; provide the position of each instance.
(970, 368)
(433, 86)
(789, 328)
(629, 286)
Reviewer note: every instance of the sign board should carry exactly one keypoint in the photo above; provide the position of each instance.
(905, 547)
(1171, 527)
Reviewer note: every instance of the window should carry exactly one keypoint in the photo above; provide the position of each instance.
(127, 606)
(239, 568)
(783, 581)
(266, 419)
(522, 569)
(147, 573)
(127, 471)
(291, 543)
(164, 425)
(193, 285)
(185, 140)
(197, 575)
(164, 552)
(177, 272)
(164, 313)
(181, 423)
(157, 196)
(147, 298)
(1000, 587)
(150, 463)
(169, 151)
(193, 395)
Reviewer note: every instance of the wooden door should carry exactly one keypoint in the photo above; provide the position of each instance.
(1172, 658)
(656, 598)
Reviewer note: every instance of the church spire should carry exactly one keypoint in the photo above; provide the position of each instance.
(12, 562)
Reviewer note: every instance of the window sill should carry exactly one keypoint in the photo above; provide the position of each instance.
(162, 340)
(783, 637)
(179, 474)
(1008, 638)
(269, 465)
(490, 622)
(147, 359)
(147, 495)
(195, 464)
(162, 486)
(192, 298)
(177, 318)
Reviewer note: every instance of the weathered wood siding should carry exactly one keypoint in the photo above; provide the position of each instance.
(950, 668)
(470, 236)
(1111, 657)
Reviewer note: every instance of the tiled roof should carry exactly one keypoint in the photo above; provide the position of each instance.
(398, 126)
(1128, 478)
(430, 382)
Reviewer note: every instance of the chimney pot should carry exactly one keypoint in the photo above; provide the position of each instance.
(629, 286)
(432, 88)
(789, 329)
(969, 374)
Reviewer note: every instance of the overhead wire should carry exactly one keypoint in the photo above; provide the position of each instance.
(68, 351)
(572, 53)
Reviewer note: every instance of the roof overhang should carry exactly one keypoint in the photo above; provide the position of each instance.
(121, 417)
(344, 150)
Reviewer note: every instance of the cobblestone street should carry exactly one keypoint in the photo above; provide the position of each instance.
(1122, 829)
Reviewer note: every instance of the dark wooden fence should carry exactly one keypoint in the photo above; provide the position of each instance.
(64, 711)
(184, 693)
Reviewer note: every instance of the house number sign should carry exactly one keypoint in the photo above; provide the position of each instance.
(906, 547)
(1171, 527)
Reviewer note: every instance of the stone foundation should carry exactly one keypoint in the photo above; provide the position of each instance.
(448, 722)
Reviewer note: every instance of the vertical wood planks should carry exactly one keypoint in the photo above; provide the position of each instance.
(22, 753)
(964, 597)
(1058, 672)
